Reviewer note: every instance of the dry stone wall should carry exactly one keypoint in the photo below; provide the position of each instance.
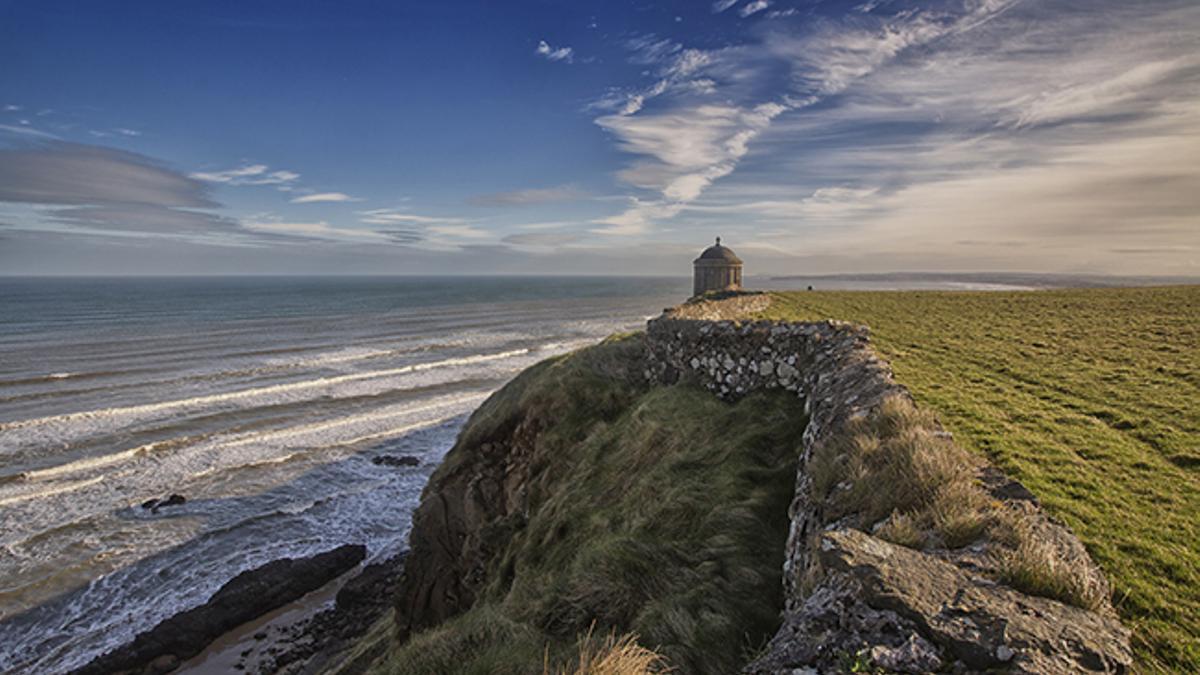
(828, 364)
(897, 609)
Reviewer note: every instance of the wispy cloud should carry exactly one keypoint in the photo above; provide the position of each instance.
(542, 240)
(721, 5)
(249, 174)
(1075, 164)
(101, 190)
(700, 136)
(459, 231)
(753, 7)
(22, 130)
(322, 197)
(397, 217)
(555, 53)
(529, 196)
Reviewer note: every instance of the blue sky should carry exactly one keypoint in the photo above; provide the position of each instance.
(575, 137)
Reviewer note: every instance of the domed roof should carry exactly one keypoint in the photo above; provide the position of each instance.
(719, 253)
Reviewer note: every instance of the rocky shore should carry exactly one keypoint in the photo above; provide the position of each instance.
(247, 596)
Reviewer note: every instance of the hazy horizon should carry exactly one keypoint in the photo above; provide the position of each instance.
(546, 138)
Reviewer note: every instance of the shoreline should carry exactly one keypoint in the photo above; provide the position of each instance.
(307, 632)
(278, 617)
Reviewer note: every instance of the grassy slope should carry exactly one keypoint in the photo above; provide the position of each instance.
(1089, 397)
(659, 511)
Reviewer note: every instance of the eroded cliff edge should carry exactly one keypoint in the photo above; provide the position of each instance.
(902, 552)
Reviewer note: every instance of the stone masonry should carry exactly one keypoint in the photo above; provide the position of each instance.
(874, 600)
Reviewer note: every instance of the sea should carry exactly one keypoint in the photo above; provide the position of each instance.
(261, 401)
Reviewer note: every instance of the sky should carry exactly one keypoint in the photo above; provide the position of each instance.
(610, 137)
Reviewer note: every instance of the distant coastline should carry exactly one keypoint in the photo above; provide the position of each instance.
(982, 281)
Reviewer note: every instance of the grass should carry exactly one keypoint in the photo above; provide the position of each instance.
(612, 656)
(1091, 398)
(660, 512)
(898, 474)
(895, 468)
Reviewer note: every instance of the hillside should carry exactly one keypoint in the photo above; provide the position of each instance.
(580, 496)
(1091, 398)
(755, 494)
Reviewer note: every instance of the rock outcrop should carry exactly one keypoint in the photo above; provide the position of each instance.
(905, 611)
(247, 596)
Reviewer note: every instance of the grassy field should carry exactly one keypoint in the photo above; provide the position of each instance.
(1089, 397)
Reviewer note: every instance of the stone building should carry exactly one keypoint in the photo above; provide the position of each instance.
(717, 269)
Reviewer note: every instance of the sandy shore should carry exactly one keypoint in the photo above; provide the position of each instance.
(307, 631)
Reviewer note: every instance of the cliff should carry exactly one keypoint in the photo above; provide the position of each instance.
(751, 495)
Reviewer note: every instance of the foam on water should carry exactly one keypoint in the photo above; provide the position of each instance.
(261, 404)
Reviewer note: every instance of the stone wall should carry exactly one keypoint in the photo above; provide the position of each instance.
(829, 365)
(872, 600)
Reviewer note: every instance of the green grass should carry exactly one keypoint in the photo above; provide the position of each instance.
(660, 512)
(1091, 398)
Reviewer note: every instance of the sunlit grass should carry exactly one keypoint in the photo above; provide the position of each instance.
(1091, 398)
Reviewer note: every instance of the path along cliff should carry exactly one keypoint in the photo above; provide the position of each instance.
(742, 495)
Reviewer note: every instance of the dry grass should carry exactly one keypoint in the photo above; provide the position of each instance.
(1035, 567)
(899, 474)
(898, 465)
(611, 655)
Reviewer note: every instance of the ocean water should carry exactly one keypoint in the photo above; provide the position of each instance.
(262, 401)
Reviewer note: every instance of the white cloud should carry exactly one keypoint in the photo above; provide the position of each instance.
(459, 231)
(324, 197)
(555, 53)
(321, 230)
(1083, 166)
(25, 131)
(719, 6)
(753, 7)
(395, 217)
(251, 174)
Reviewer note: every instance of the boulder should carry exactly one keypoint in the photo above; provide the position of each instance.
(245, 597)
(395, 460)
(981, 623)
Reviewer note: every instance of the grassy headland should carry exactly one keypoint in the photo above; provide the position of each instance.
(1091, 398)
(660, 512)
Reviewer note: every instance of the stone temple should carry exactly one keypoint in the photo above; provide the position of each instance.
(717, 269)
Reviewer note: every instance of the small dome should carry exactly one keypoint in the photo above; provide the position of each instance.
(719, 252)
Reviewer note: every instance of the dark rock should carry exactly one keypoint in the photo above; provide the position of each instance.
(358, 604)
(164, 664)
(983, 624)
(155, 504)
(395, 460)
(245, 597)
(260, 636)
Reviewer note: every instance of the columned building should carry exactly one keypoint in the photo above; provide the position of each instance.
(717, 269)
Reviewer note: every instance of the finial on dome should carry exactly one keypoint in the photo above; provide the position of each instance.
(718, 241)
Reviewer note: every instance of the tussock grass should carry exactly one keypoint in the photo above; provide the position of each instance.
(660, 512)
(1091, 398)
(1035, 567)
(896, 470)
(612, 655)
